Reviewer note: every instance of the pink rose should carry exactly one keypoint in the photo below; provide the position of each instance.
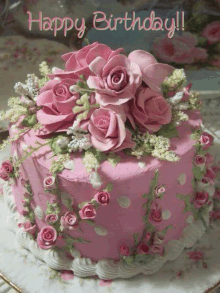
(156, 213)
(179, 49)
(24, 213)
(212, 32)
(3, 175)
(51, 218)
(150, 110)
(102, 197)
(49, 183)
(69, 221)
(24, 182)
(108, 132)
(115, 80)
(28, 227)
(79, 61)
(217, 194)
(157, 248)
(47, 237)
(186, 92)
(158, 238)
(215, 215)
(159, 190)
(195, 255)
(124, 250)
(209, 159)
(7, 167)
(199, 160)
(210, 174)
(57, 102)
(142, 248)
(215, 61)
(200, 199)
(153, 73)
(87, 212)
(206, 140)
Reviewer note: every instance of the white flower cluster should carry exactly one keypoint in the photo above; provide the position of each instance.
(80, 138)
(175, 81)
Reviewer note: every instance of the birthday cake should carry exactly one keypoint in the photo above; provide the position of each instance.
(109, 173)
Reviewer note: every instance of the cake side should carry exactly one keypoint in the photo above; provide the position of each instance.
(109, 161)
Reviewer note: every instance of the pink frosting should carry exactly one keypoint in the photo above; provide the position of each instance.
(150, 110)
(108, 132)
(128, 180)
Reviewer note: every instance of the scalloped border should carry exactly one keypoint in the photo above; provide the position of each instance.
(105, 269)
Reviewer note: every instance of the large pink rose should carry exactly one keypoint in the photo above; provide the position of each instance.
(150, 110)
(116, 80)
(179, 49)
(57, 102)
(200, 199)
(212, 32)
(108, 132)
(69, 221)
(7, 167)
(153, 73)
(78, 62)
(87, 212)
(47, 237)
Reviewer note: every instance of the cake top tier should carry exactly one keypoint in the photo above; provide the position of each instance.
(105, 102)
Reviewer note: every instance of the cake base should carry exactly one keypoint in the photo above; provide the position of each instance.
(105, 269)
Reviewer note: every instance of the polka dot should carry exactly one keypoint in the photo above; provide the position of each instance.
(101, 231)
(166, 214)
(39, 213)
(190, 219)
(182, 179)
(124, 202)
(142, 165)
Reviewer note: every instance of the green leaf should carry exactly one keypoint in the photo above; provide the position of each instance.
(55, 148)
(168, 131)
(143, 258)
(145, 205)
(188, 204)
(181, 196)
(90, 222)
(145, 195)
(167, 228)
(135, 236)
(153, 183)
(198, 173)
(113, 159)
(109, 187)
(30, 121)
(81, 205)
(128, 259)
